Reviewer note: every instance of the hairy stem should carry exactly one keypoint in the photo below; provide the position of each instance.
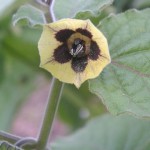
(52, 105)
(53, 100)
(52, 11)
(48, 8)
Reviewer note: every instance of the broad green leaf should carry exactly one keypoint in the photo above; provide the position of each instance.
(124, 85)
(14, 88)
(141, 4)
(108, 133)
(29, 14)
(95, 18)
(7, 146)
(88, 15)
(69, 8)
(122, 5)
(8, 7)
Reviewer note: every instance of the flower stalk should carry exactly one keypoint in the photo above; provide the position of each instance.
(53, 100)
(50, 112)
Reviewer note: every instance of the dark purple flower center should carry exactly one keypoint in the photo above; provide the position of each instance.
(77, 47)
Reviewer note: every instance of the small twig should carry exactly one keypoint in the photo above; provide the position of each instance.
(45, 2)
(48, 2)
(25, 141)
(9, 137)
(48, 5)
(13, 139)
(51, 9)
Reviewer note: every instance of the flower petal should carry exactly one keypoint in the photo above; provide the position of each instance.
(79, 64)
(63, 72)
(47, 44)
(64, 34)
(95, 51)
(101, 41)
(61, 54)
(84, 32)
(70, 24)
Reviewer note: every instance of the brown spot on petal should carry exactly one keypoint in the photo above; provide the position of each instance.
(94, 51)
(64, 34)
(79, 64)
(61, 54)
(84, 32)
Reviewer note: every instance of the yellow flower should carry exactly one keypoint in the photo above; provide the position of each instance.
(73, 50)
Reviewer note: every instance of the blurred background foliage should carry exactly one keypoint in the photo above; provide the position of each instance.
(19, 68)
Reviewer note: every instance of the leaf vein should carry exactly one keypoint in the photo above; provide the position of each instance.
(130, 69)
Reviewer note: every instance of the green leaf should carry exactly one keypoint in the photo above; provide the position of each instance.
(88, 15)
(141, 4)
(95, 18)
(7, 146)
(122, 5)
(124, 85)
(29, 14)
(108, 133)
(70, 8)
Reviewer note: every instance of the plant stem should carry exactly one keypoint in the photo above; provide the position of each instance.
(50, 112)
(52, 11)
(9, 137)
(48, 7)
(53, 100)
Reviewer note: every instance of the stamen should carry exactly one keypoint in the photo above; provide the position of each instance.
(71, 51)
(77, 48)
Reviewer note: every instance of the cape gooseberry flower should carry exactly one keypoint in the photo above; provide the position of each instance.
(73, 50)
